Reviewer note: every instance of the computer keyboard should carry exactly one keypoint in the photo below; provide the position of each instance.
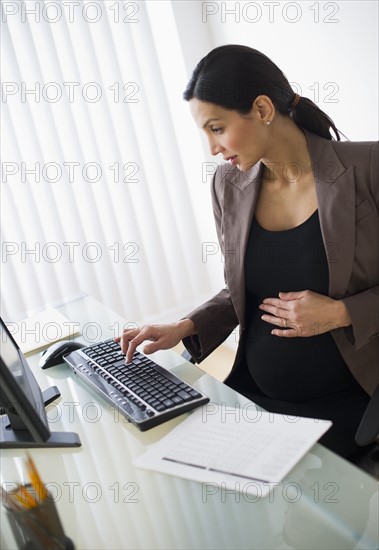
(143, 391)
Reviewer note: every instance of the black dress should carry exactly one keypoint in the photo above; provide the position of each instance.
(299, 376)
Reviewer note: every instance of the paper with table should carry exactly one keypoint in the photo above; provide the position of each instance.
(235, 448)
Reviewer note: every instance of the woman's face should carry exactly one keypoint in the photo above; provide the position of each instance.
(241, 139)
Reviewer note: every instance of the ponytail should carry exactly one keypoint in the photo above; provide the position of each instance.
(307, 115)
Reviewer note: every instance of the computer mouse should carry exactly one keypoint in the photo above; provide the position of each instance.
(53, 355)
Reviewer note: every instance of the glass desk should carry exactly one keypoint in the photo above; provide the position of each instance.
(105, 502)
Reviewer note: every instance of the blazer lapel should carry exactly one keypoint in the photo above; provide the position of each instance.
(239, 204)
(335, 188)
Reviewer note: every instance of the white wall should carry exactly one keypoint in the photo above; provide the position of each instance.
(328, 48)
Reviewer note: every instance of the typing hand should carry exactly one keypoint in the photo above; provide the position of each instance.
(304, 313)
(161, 336)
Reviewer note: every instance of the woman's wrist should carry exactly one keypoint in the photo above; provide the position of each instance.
(186, 327)
(343, 318)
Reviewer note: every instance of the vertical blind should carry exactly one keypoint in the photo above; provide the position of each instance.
(97, 161)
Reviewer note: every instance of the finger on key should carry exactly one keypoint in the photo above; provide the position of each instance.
(139, 336)
(132, 345)
(125, 338)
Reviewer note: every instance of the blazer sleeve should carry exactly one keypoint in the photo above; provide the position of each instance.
(215, 319)
(364, 306)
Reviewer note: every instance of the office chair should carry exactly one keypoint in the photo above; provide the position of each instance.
(368, 434)
(368, 431)
(188, 357)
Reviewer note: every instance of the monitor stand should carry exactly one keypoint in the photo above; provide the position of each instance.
(22, 439)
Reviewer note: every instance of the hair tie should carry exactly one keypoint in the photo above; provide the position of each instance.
(295, 101)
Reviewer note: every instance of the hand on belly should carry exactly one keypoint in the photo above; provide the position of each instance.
(304, 313)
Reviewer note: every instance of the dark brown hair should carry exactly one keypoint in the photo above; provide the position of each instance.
(233, 76)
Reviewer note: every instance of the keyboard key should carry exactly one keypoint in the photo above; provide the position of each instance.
(184, 395)
(143, 394)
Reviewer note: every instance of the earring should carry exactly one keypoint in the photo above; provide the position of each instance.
(268, 122)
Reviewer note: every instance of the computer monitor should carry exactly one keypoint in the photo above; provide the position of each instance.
(24, 422)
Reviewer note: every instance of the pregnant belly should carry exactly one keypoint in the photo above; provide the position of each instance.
(294, 369)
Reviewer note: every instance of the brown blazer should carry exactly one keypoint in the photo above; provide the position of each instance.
(347, 184)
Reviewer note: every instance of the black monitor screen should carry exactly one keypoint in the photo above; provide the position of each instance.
(20, 393)
(24, 422)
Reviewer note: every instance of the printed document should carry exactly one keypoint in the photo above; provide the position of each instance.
(226, 445)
